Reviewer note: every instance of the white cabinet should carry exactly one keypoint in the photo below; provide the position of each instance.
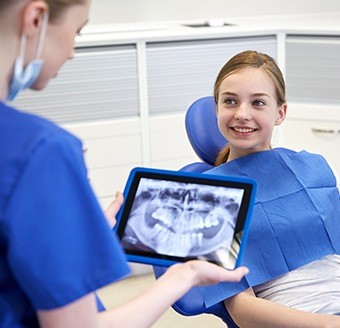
(180, 72)
(313, 89)
(100, 83)
(315, 128)
(127, 102)
(169, 145)
(313, 69)
(112, 148)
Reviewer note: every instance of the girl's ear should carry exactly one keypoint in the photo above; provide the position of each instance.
(281, 114)
(33, 17)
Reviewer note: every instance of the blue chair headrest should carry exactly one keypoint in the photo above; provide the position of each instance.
(202, 129)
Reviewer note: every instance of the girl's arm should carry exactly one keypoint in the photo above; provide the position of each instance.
(247, 310)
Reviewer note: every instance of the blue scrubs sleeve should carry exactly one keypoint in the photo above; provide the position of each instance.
(60, 246)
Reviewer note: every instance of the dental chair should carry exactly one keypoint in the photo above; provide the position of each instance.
(207, 141)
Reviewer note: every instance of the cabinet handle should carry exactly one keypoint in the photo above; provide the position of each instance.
(329, 131)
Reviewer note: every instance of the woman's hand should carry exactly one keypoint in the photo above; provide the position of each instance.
(113, 209)
(202, 273)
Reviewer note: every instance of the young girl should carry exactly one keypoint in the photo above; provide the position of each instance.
(56, 247)
(294, 242)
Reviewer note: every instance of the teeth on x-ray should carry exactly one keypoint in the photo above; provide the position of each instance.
(184, 219)
(193, 221)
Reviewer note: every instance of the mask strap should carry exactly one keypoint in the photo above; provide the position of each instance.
(22, 46)
(40, 42)
(42, 36)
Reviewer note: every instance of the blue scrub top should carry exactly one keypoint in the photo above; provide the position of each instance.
(55, 243)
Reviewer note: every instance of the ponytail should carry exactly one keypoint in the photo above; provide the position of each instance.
(222, 156)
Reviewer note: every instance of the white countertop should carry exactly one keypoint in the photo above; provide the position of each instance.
(309, 24)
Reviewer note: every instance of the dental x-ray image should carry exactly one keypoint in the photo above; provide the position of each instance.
(185, 220)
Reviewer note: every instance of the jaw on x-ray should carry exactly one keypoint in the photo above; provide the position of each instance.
(181, 219)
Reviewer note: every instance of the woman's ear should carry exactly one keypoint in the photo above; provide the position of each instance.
(33, 17)
(282, 114)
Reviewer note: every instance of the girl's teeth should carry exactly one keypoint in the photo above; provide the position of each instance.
(243, 130)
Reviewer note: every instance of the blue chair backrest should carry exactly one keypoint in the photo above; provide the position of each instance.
(206, 140)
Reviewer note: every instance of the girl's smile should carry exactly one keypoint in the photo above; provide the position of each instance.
(247, 111)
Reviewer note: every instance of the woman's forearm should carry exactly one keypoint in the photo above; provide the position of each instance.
(249, 311)
(146, 308)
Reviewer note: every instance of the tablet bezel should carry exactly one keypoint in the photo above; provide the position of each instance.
(153, 258)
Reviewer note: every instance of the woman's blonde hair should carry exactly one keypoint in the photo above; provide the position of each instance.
(56, 7)
(244, 60)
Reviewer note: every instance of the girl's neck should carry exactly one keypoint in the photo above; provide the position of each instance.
(235, 155)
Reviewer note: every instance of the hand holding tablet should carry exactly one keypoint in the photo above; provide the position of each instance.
(174, 216)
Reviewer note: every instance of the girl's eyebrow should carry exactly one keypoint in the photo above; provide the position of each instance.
(227, 93)
(257, 94)
(260, 94)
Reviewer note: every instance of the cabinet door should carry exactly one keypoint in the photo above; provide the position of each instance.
(315, 129)
(169, 145)
(313, 93)
(180, 72)
(99, 83)
(111, 148)
(313, 69)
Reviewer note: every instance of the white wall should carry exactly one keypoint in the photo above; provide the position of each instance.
(106, 11)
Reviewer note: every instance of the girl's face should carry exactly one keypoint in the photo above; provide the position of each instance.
(247, 111)
(59, 41)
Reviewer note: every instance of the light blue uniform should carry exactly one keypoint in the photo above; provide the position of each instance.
(55, 244)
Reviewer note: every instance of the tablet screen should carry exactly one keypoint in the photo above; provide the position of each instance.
(172, 216)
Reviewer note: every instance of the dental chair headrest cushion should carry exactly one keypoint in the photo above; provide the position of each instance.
(202, 129)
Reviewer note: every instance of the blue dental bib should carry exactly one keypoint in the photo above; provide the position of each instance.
(295, 217)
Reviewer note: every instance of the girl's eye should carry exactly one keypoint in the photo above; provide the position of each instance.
(258, 103)
(230, 101)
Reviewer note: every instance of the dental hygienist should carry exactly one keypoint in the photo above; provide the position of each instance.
(56, 245)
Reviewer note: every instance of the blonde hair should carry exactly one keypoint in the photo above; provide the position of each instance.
(244, 60)
(56, 7)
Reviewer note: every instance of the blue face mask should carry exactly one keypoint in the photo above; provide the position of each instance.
(23, 78)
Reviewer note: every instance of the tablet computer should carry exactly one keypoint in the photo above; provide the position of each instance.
(176, 216)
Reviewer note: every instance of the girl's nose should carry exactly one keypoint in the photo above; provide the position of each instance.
(243, 113)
